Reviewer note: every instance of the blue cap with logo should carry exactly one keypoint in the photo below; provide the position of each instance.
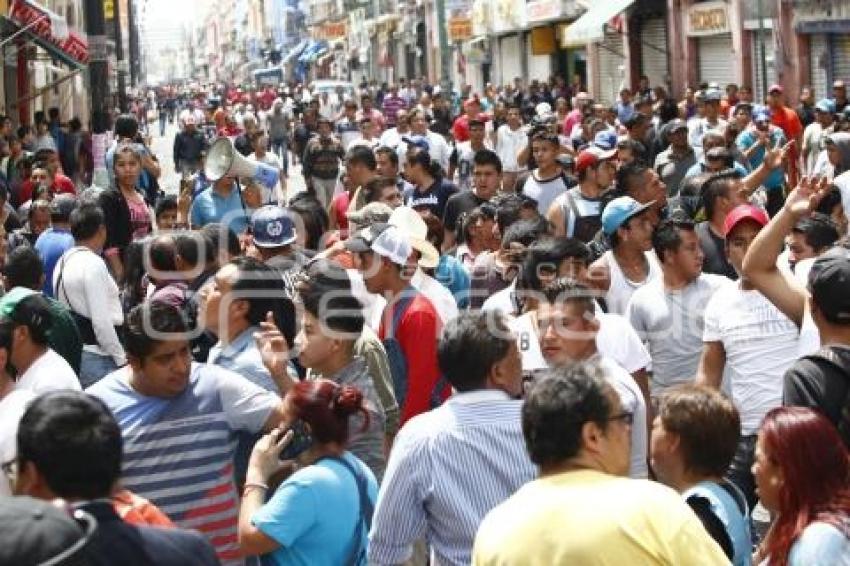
(272, 227)
(618, 212)
(605, 140)
(825, 105)
(419, 141)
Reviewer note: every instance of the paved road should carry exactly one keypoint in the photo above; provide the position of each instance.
(170, 179)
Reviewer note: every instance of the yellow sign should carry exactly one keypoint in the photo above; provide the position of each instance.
(109, 9)
(460, 29)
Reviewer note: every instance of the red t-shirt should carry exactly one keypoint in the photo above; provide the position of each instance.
(61, 185)
(787, 119)
(417, 333)
(339, 206)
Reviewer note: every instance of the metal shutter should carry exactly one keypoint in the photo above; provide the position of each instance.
(716, 63)
(840, 57)
(509, 54)
(653, 38)
(819, 65)
(612, 64)
(770, 61)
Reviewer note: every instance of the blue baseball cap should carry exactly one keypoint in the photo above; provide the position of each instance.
(605, 140)
(825, 105)
(272, 227)
(417, 141)
(761, 114)
(618, 212)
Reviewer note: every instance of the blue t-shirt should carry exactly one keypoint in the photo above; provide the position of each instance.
(50, 245)
(314, 514)
(451, 273)
(211, 207)
(747, 139)
(820, 544)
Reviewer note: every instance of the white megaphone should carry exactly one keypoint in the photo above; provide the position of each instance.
(224, 161)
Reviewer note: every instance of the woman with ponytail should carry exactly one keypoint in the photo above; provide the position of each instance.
(322, 513)
(802, 473)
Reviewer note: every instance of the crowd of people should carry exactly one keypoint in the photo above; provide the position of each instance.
(514, 327)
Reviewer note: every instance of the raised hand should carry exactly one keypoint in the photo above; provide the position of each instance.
(806, 196)
(273, 348)
(776, 156)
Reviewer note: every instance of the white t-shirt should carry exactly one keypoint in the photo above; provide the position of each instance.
(48, 372)
(508, 145)
(544, 191)
(621, 288)
(760, 343)
(632, 401)
(843, 184)
(437, 293)
(617, 340)
(12, 408)
(671, 323)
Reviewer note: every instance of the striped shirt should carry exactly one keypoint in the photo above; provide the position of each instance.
(178, 451)
(448, 468)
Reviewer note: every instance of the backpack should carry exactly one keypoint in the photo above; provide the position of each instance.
(395, 355)
(837, 360)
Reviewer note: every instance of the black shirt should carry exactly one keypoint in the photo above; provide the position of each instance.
(434, 197)
(457, 205)
(821, 381)
(714, 248)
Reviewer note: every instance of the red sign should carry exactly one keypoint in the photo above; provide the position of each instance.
(25, 13)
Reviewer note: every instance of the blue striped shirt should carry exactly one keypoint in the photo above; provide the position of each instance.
(178, 451)
(448, 468)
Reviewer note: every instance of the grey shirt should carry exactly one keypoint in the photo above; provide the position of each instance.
(672, 168)
(671, 323)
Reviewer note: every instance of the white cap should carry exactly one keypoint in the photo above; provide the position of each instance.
(414, 228)
(393, 244)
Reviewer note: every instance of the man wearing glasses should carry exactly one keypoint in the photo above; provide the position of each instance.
(567, 329)
(577, 433)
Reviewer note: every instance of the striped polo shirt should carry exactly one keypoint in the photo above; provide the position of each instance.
(178, 451)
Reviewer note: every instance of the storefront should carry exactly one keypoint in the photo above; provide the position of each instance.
(763, 53)
(510, 51)
(709, 23)
(653, 49)
(48, 61)
(541, 46)
(612, 67)
(827, 28)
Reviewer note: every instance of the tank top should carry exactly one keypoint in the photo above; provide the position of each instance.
(732, 513)
(621, 288)
(583, 215)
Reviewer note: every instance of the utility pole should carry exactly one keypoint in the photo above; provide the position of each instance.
(763, 73)
(120, 63)
(98, 86)
(445, 53)
(134, 44)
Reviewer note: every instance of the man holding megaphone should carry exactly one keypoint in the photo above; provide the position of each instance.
(223, 202)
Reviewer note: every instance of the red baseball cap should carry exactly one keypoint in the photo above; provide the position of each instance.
(744, 212)
(584, 160)
(776, 88)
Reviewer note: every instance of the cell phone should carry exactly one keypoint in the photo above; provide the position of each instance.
(302, 440)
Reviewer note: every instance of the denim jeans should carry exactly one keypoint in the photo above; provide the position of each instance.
(740, 472)
(93, 367)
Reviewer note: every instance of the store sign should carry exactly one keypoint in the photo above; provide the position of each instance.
(542, 10)
(108, 9)
(508, 15)
(333, 30)
(460, 29)
(49, 27)
(708, 18)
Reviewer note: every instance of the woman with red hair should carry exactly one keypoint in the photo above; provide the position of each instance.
(321, 514)
(802, 473)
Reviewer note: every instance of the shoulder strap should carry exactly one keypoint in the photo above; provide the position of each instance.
(400, 308)
(59, 280)
(570, 203)
(366, 509)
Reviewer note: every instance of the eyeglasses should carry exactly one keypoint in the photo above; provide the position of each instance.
(625, 417)
(10, 470)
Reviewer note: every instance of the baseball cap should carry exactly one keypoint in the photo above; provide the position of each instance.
(775, 88)
(63, 205)
(543, 108)
(385, 240)
(713, 95)
(585, 160)
(744, 212)
(417, 141)
(605, 140)
(761, 114)
(414, 228)
(35, 531)
(676, 124)
(372, 213)
(829, 280)
(272, 227)
(825, 105)
(619, 211)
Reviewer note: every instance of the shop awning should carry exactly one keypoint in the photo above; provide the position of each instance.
(296, 51)
(49, 31)
(590, 27)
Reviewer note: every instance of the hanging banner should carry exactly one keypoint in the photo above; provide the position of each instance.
(459, 20)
